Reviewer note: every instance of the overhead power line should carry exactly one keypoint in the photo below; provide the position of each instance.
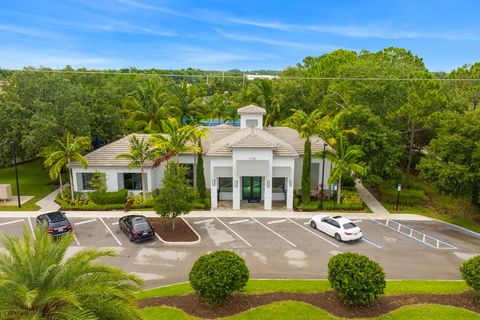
(223, 76)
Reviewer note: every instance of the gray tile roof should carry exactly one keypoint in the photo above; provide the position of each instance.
(251, 109)
(219, 142)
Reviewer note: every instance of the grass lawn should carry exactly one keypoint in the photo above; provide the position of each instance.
(263, 286)
(34, 181)
(297, 310)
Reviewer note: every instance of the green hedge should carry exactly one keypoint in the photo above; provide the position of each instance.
(407, 196)
(104, 198)
(350, 201)
(470, 271)
(88, 206)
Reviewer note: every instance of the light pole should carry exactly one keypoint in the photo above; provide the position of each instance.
(323, 175)
(334, 195)
(14, 151)
(399, 188)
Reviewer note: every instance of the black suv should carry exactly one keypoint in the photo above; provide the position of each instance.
(136, 227)
(56, 223)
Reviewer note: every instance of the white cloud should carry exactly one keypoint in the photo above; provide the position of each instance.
(356, 31)
(145, 6)
(274, 42)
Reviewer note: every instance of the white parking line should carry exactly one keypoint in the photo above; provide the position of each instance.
(86, 221)
(109, 230)
(372, 243)
(315, 234)
(233, 231)
(305, 223)
(203, 221)
(115, 223)
(239, 221)
(279, 235)
(357, 221)
(11, 222)
(31, 227)
(276, 221)
(76, 239)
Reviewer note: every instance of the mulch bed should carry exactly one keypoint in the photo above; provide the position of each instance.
(328, 301)
(181, 233)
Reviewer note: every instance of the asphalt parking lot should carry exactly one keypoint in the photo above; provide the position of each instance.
(278, 248)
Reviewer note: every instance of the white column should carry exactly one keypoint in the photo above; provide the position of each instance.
(290, 188)
(267, 200)
(236, 194)
(111, 177)
(214, 192)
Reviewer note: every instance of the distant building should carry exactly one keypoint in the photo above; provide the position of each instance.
(259, 76)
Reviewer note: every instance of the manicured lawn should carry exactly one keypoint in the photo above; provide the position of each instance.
(262, 286)
(296, 310)
(34, 181)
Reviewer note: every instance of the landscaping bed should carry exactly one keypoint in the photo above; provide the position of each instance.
(328, 301)
(182, 232)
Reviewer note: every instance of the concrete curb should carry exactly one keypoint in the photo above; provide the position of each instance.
(473, 233)
(181, 243)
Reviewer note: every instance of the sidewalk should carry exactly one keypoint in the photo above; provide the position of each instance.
(374, 205)
(48, 203)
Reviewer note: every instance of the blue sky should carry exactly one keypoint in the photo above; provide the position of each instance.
(224, 34)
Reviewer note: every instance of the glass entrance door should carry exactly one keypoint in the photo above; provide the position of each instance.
(252, 188)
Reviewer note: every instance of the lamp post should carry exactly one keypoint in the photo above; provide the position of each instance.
(335, 186)
(14, 151)
(323, 175)
(399, 188)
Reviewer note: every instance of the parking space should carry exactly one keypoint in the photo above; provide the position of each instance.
(278, 247)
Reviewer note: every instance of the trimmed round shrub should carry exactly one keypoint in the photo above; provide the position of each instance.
(356, 279)
(216, 275)
(470, 270)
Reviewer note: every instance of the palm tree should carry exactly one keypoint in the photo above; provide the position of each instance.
(149, 105)
(141, 151)
(346, 160)
(173, 141)
(306, 125)
(63, 153)
(38, 281)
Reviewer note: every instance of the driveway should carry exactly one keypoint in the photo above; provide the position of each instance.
(286, 248)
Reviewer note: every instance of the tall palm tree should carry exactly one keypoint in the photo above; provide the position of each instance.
(306, 125)
(38, 281)
(149, 105)
(346, 160)
(141, 151)
(63, 153)
(173, 141)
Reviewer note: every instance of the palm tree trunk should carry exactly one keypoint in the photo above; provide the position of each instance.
(61, 184)
(143, 184)
(173, 223)
(71, 183)
(339, 190)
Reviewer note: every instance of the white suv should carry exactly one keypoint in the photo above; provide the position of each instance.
(342, 229)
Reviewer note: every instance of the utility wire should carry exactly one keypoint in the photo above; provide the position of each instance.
(223, 76)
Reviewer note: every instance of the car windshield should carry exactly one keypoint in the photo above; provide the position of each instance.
(141, 225)
(349, 225)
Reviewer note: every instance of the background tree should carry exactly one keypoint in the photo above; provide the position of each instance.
(346, 161)
(141, 151)
(452, 163)
(40, 282)
(176, 197)
(149, 105)
(63, 153)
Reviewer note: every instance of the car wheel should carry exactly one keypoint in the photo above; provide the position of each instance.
(337, 237)
(313, 224)
(130, 237)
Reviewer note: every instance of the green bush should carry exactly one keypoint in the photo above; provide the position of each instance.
(470, 270)
(407, 196)
(348, 181)
(216, 275)
(103, 198)
(356, 279)
(86, 205)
